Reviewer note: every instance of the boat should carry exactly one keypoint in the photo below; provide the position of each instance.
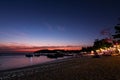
(29, 55)
(51, 56)
(56, 55)
(36, 55)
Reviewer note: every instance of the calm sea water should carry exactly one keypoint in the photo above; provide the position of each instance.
(10, 62)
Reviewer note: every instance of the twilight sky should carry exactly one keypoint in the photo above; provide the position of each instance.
(30, 24)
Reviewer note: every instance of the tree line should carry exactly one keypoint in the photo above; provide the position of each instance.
(106, 42)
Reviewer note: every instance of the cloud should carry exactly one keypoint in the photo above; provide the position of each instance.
(9, 49)
(14, 35)
(60, 28)
(5, 33)
(16, 47)
(48, 26)
(55, 27)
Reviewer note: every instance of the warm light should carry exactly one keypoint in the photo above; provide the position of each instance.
(119, 51)
(92, 53)
(97, 51)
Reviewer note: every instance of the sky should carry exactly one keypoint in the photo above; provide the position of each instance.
(29, 25)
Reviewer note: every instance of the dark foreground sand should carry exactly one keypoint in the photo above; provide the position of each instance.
(83, 68)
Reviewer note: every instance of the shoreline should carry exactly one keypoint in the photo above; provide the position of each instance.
(10, 63)
(9, 73)
(35, 65)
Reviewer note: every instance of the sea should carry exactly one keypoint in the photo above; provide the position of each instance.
(17, 61)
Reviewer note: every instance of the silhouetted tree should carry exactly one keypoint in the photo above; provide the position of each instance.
(97, 44)
(116, 36)
(117, 33)
(101, 44)
(86, 49)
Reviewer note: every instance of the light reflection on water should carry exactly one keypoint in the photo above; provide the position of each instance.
(9, 62)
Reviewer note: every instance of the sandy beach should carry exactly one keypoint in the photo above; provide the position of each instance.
(83, 68)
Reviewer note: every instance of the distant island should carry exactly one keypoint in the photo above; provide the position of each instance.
(57, 53)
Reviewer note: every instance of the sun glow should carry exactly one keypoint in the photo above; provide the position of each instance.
(14, 47)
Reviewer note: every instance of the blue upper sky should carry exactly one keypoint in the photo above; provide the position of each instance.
(56, 22)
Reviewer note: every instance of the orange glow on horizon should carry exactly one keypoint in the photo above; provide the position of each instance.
(16, 47)
(49, 48)
(32, 49)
